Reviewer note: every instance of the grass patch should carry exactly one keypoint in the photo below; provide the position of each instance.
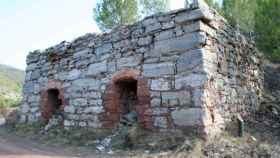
(9, 102)
(58, 136)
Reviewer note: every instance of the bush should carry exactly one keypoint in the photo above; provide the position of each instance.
(9, 102)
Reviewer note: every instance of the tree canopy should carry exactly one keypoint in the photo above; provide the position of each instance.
(267, 28)
(258, 16)
(111, 13)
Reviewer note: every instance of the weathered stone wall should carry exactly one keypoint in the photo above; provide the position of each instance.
(191, 69)
(235, 73)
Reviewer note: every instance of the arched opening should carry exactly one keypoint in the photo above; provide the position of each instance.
(52, 104)
(127, 99)
(128, 95)
(54, 101)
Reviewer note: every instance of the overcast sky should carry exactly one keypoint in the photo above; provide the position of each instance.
(28, 25)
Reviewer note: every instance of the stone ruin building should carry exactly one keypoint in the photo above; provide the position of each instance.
(183, 70)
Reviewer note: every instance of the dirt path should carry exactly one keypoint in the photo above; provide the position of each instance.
(12, 146)
(15, 147)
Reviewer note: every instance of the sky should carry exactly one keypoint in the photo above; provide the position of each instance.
(28, 25)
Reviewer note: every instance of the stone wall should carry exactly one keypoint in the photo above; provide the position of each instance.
(235, 74)
(191, 70)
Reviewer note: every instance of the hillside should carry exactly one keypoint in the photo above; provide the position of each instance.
(11, 80)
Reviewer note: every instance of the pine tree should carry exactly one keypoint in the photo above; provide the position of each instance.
(214, 4)
(240, 13)
(267, 28)
(111, 13)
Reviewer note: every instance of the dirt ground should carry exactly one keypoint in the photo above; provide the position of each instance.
(12, 146)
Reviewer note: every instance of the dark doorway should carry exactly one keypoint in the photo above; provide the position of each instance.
(128, 95)
(53, 99)
(52, 104)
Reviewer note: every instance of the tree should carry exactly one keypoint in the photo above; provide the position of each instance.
(240, 13)
(111, 13)
(214, 4)
(153, 6)
(267, 28)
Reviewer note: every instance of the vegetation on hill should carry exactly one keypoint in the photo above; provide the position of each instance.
(11, 80)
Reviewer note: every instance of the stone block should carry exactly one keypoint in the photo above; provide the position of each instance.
(81, 54)
(161, 122)
(192, 80)
(155, 102)
(28, 87)
(164, 35)
(34, 99)
(105, 48)
(94, 124)
(159, 111)
(68, 123)
(198, 97)
(131, 61)
(94, 110)
(33, 57)
(171, 99)
(168, 25)
(197, 14)
(36, 88)
(188, 117)
(149, 21)
(91, 84)
(190, 60)
(145, 41)
(96, 68)
(97, 102)
(179, 44)
(112, 67)
(79, 102)
(35, 74)
(70, 109)
(160, 85)
(157, 70)
(82, 124)
(24, 108)
(192, 27)
(74, 74)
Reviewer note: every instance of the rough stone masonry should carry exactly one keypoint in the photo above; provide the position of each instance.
(184, 70)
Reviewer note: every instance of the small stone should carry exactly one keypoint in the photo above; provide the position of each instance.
(24, 108)
(94, 109)
(69, 109)
(82, 124)
(79, 102)
(68, 123)
(161, 122)
(155, 102)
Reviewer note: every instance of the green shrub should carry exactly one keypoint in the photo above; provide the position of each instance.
(9, 102)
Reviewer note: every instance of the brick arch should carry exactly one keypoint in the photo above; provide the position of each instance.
(113, 109)
(46, 108)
